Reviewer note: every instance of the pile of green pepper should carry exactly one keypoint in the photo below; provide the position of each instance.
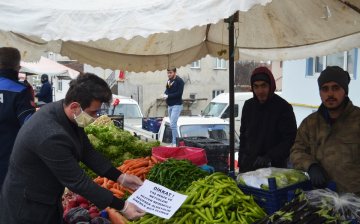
(213, 199)
(176, 175)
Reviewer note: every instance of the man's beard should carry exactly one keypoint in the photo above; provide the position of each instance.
(339, 107)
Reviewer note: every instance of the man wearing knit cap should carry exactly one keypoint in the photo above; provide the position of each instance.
(327, 144)
(268, 125)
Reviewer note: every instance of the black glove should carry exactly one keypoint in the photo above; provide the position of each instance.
(262, 161)
(317, 175)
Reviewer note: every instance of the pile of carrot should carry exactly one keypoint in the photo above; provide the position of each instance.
(139, 167)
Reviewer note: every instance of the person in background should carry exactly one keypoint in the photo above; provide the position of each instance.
(23, 80)
(327, 144)
(268, 125)
(15, 104)
(45, 94)
(46, 155)
(173, 95)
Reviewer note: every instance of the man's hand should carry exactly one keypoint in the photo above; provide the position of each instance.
(317, 175)
(130, 181)
(165, 96)
(131, 211)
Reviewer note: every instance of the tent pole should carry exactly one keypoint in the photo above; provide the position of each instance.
(231, 93)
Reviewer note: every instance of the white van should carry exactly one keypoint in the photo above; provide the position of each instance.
(219, 107)
(125, 106)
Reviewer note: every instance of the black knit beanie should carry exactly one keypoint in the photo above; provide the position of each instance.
(335, 74)
(259, 77)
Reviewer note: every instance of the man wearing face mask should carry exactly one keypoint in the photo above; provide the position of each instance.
(15, 104)
(46, 157)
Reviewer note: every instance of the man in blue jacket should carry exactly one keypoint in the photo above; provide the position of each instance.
(173, 95)
(15, 104)
(45, 94)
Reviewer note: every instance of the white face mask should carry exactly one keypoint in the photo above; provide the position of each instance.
(83, 119)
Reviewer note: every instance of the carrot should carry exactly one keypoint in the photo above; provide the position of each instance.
(99, 180)
(125, 167)
(139, 164)
(116, 191)
(141, 171)
(115, 217)
(154, 159)
(116, 186)
(104, 184)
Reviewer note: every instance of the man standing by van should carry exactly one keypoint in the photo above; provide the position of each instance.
(268, 125)
(173, 95)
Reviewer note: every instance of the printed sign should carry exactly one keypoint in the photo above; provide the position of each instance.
(157, 200)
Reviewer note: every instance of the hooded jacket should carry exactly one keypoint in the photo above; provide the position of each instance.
(267, 129)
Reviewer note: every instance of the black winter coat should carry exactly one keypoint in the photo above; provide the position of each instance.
(45, 160)
(267, 129)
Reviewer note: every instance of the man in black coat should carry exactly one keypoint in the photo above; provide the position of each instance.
(45, 94)
(268, 125)
(46, 155)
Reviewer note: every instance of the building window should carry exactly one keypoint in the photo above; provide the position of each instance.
(195, 64)
(217, 92)
(59, 84)
(220, 63)
(346, 60)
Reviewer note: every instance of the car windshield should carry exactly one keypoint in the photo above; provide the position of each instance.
(215, 131)
(128, 110)
(214, 109)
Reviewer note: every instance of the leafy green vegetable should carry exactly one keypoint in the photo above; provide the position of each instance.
(116, 144)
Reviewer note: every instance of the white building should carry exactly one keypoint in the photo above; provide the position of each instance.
(300, 87)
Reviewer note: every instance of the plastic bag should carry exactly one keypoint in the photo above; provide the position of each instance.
(259, 178)
(346, 204)
(196, 155)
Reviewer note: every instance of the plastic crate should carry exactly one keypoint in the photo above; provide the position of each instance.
(217, 153)
(273, 199)
(153, 124)
(118, 120)
(196, 155)
(144, 124)
(189, 141)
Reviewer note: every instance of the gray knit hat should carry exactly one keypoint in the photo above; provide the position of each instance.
(335, 74)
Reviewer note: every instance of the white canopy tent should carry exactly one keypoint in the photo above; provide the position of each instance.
(49, 67)
(152, 35)
(138, 36)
